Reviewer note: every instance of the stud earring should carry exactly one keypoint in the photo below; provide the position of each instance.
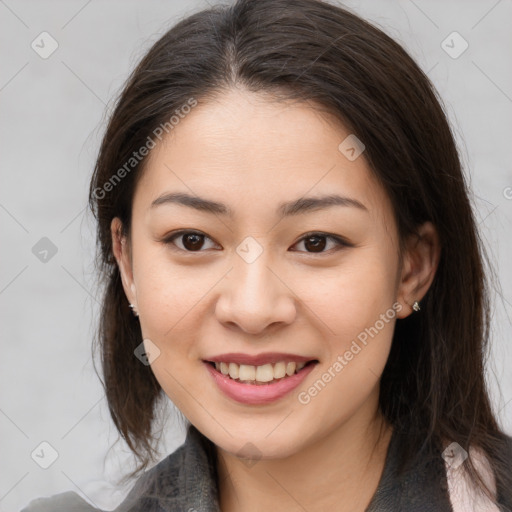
(416, 306)
(133, 310)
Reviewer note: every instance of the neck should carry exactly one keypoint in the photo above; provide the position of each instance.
(339, 472)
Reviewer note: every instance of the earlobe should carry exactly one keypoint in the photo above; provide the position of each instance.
(120, 249)
(420, 265)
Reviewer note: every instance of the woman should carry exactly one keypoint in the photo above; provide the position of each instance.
(290, 256)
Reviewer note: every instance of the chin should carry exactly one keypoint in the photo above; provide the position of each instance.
(259, 447)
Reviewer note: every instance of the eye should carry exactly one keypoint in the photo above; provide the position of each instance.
(194, 241)
(315, 242)
(191, 241)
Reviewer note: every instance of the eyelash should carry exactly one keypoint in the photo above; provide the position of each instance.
(169, 240)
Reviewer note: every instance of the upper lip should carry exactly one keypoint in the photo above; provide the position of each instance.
(259, 359)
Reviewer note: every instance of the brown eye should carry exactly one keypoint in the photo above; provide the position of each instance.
(191, 241)
(316, 242)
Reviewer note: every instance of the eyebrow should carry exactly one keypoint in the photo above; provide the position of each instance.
(295, 207)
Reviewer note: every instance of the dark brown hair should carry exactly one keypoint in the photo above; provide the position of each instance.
(433, 384)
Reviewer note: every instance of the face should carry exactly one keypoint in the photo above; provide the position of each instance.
(301, 299)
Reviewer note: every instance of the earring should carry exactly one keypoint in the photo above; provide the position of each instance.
(133, 310)
(416, 306)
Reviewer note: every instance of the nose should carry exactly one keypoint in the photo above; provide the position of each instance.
(254, 297)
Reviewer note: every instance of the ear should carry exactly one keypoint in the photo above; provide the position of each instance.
(121, 250)
(419, 266)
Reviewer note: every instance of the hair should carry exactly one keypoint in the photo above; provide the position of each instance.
(433, 384)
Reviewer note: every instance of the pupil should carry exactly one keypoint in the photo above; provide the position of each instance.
(317, 245)
(196, 241)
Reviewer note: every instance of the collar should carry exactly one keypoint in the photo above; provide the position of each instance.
(186, 481)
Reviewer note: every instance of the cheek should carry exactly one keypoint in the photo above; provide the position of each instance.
(353, 296)
(169, 295)
(175, 314)
(355, 305)
(358, 315)
(172, 299)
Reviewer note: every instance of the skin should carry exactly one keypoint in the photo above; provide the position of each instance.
(251, 153)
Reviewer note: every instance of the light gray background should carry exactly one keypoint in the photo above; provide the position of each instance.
(52, 118)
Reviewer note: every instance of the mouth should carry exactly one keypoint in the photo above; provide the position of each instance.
(260, 375)
(258, 380)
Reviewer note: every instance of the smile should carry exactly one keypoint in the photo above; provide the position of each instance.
(271, 377)
(259, 375)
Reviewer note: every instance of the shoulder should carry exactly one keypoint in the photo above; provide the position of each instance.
(463, 493)
(168, 485)
(64, 502)
(184, 480)
(158, 481)
(147, 487)
(144, 487)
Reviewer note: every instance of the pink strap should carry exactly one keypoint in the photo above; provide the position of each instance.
(464, 497)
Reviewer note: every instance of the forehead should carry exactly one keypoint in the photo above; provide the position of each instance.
(253, 152)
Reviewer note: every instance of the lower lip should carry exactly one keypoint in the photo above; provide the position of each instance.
(256, 394)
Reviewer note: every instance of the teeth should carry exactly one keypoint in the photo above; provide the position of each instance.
(279, 370)
(247, 372)
(264, 373)
(233, 370)
(290, 368)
